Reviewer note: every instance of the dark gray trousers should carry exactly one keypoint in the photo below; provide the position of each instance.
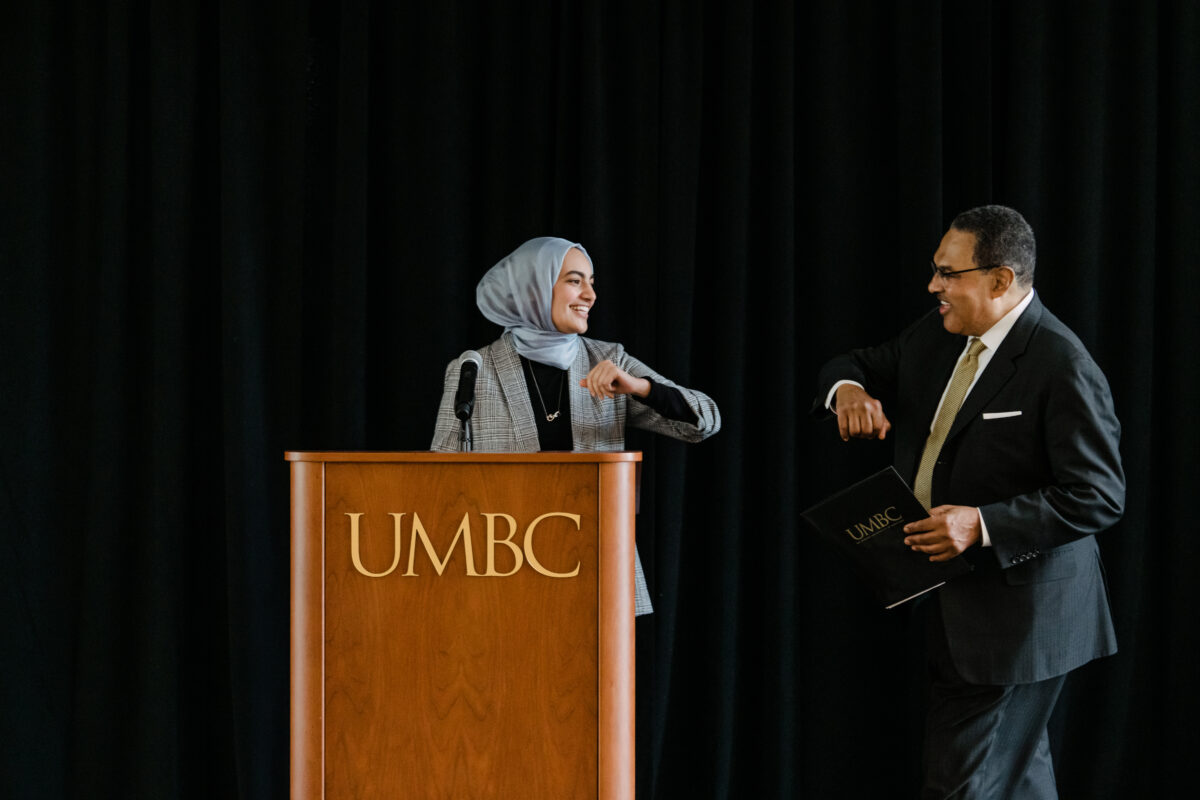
(985, 742)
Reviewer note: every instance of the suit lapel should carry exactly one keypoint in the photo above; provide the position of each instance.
(583, 408)
(1000, 369)
(937, 375)
(511, 377)
(934, 374)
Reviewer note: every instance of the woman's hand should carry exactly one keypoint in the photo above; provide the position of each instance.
(607, 380)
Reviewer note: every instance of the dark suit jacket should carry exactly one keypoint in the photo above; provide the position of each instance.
(1046, 480)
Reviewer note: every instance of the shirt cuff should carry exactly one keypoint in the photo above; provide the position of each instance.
(833, 393)
(669, 402)
(984, 539)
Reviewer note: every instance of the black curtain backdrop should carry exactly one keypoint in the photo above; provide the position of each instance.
(234, 229)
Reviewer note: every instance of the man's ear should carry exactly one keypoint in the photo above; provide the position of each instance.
(1002, 278)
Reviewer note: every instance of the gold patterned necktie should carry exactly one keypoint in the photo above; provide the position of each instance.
(964, 373)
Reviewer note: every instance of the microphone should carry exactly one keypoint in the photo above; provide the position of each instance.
(464, 398)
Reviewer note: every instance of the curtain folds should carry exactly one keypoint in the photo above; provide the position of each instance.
(230, 230)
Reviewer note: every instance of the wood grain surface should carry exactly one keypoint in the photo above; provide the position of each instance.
(470, 686)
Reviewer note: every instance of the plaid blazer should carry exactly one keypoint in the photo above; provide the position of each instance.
(503, 419)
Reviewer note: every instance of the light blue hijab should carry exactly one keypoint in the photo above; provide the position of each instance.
(518, 294)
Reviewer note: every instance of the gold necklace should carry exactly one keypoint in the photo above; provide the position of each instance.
(561, 380)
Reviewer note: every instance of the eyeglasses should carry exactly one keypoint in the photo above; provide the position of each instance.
(947, 274)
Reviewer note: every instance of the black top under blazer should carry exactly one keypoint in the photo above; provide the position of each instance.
(1046, 480)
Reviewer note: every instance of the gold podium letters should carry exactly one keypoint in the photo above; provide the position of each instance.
(519, 554)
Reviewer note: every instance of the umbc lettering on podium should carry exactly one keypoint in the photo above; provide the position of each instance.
(521, 554)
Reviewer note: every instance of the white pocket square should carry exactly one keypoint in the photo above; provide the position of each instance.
(1000, 414)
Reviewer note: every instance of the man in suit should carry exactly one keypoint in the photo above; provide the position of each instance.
(1004, 426)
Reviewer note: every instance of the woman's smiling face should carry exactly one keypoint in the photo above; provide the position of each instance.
(574, 293)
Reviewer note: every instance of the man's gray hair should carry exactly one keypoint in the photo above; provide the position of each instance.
(1002, 238)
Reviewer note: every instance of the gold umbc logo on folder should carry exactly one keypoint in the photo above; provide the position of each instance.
(520, 554)
(874, 525)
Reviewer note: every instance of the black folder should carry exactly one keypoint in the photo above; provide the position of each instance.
(866, 522)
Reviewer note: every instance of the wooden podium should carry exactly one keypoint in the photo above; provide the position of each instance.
(462, 625)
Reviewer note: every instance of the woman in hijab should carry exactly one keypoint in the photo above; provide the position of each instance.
(544, 386)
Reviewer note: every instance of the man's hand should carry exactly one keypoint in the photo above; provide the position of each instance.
(607, 380)
(946, 533)
(859, 415)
